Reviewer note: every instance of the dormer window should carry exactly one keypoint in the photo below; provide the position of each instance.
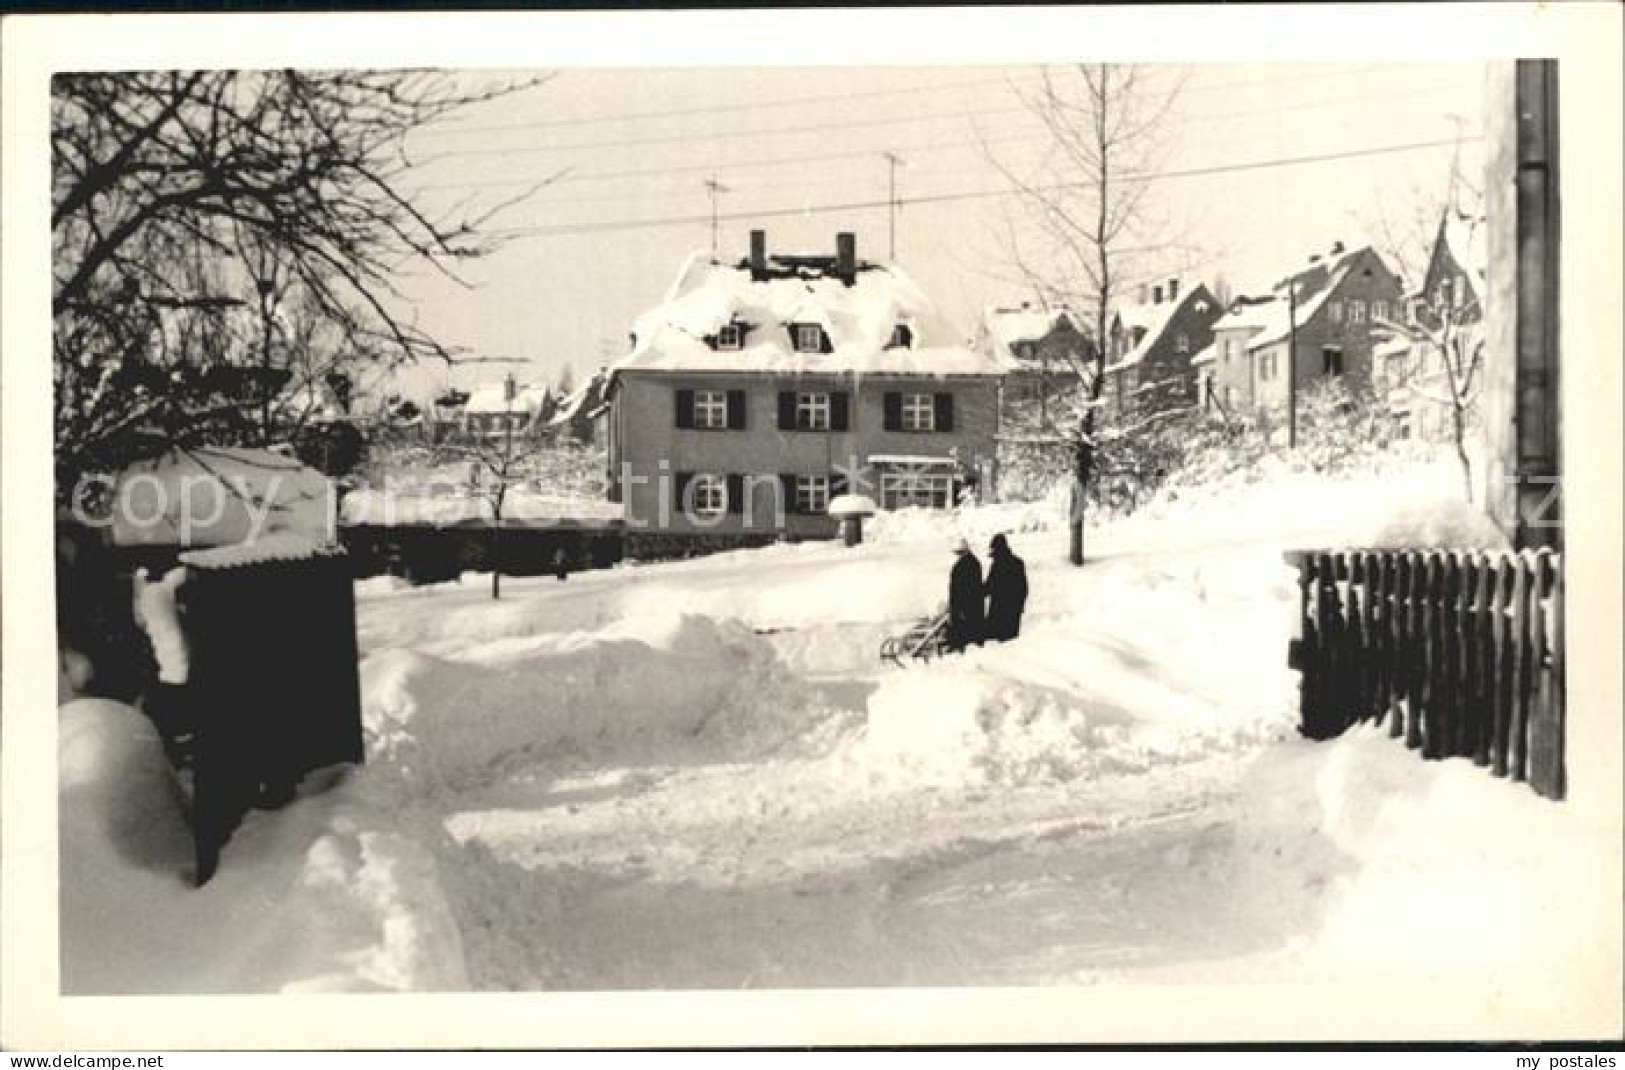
(730, 336)
(808, 338)
(902, 337)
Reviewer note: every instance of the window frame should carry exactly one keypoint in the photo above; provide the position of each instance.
(809, 405)
(707, 495)
(1356, 312)
(800, 332)
(730, 331)
(812, 494)
(911, 412)
(907, 489)
(710, 410)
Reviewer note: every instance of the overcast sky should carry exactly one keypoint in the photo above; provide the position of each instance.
(633, 150)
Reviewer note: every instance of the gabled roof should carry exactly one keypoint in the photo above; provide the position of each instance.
(493, 398)
(1464, 238)
(1153, 319)
(585, 402)
(1271, 317)
(1004, 328)
(858, 319)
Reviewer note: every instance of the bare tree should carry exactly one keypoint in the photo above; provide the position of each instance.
(1088, 201)
(498, 461)
(182, 198)
(1445, 365)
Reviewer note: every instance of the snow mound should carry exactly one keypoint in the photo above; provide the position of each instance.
(970, 724)
(648, 689)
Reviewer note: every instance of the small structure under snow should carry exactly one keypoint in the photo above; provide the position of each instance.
(850, 509)
(759, 390)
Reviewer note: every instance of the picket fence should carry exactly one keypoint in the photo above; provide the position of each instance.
(1459, 652)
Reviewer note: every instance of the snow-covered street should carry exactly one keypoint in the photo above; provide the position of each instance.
(699, 775)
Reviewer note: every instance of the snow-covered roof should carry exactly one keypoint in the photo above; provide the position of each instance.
(851, 505)
(586, 402)
(282, 546)
(1206, 355)
(859, 320)
(1271, 319)
(218, 496)
(1154, 320)
(489, 398)
(1464, 237)
(920, 460)
(1005, 327)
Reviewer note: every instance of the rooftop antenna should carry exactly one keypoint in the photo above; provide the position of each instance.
(893, 205)
(714, 188)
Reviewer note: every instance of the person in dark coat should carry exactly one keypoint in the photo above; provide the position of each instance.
(965, 617)
(561, 564)
(1006, 591)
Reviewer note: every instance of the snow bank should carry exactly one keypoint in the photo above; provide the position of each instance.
(330, 894)
(646, 689)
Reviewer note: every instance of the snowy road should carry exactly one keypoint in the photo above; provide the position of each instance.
(698, 775)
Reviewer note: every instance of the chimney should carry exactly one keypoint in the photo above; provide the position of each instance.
(1173, 289)
(846, 257)
(1156, 295)
(758, 255)
(1337, 248)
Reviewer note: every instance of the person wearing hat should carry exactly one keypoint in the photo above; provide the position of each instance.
(965, 619)
(1006, 591)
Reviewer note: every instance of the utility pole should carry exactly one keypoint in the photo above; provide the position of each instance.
(714, 188)
(892, 204)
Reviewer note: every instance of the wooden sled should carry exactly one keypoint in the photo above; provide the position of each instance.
(928, 638)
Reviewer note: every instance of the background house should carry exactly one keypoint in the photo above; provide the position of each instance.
(759, 390)
(1043, 347)
(492, 411)
(1316, 322)
(1152, 344)
(1409, 375)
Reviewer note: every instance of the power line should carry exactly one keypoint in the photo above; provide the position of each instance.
(935, 146)
(832, 98)
(567, 229)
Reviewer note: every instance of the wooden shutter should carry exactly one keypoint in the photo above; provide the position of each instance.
(679, 489)
(736, 410)
(787, 410)
(894, 411)
(944, 405)
(839, 411)
(837, 483)
(824, 343)
(736, 489)
(788, 484)
(685, 408)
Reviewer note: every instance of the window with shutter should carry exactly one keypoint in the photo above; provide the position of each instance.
(736, 410)
(812, 412)
(685, 408)
(812, 495)
(735, 485)
(706, 495)
(942, 412)
(710, 409)
(787, 410)
(919, 412)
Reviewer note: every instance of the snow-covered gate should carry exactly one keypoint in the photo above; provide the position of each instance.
(274, 682)
(1461, 652)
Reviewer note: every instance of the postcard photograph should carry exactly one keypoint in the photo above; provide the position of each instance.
(1073, 523)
